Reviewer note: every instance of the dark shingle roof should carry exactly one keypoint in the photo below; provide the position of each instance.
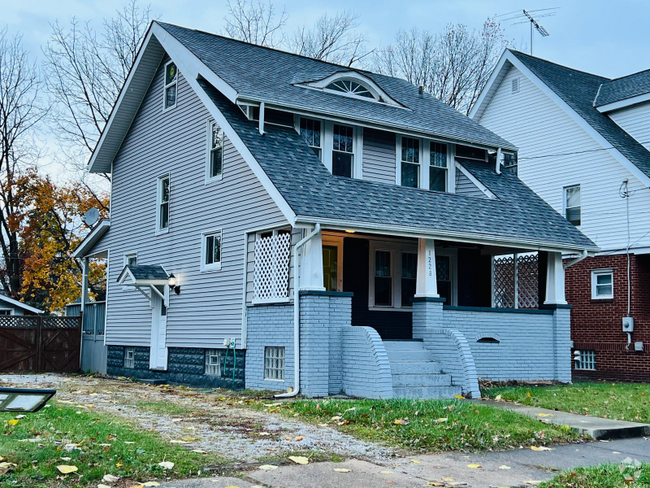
(578, 89)
(312, 191)
(623, 88)
(148, 272)
(270, 75)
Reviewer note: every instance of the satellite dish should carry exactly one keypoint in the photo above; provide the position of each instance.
(91, 217)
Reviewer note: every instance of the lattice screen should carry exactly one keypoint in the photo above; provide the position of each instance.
(271, 276)
(516, 288)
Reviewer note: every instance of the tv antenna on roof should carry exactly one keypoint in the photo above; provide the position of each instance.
(530, 17)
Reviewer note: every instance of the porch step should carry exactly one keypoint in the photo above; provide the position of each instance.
(426, 392)
(415, 380)
(409, 355)
(414, 367)
(405, 345)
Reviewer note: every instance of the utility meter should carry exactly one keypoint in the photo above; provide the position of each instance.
(628, 324)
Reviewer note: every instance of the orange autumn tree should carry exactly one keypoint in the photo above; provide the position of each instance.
(50, 228)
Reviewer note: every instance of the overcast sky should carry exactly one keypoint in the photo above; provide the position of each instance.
(604, 37)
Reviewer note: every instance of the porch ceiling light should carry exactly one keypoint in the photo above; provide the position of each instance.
(349, 231)
(23, 400)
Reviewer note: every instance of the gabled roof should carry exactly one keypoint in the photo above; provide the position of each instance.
(517, 215)
(624, 88)
(16, 303)
(92, 239)
(145, 274)
(259, 73)
(575, 91)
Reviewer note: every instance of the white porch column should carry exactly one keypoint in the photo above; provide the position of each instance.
(555, 280)
(84, 283)
(427, 280)
(311, 272)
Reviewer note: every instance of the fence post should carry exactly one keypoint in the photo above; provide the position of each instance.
(81, 337)
(39, 345)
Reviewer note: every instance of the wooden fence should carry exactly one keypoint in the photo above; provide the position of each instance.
(39, 343)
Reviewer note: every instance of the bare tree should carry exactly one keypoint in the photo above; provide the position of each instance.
(255, 22)
(334, 39)
(20, 111)
(85, 73)
(454, 66)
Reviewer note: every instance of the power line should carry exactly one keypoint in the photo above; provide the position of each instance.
(573, 153)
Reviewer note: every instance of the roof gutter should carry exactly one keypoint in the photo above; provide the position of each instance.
(582, 256)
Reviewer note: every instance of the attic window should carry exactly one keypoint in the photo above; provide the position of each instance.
(352, 88)
(171, 77)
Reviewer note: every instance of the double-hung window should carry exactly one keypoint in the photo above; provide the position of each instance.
(310, 130)
(211, 250)
(215, 152)
(410, 160)
(162, 211)
(343, 150)
(392, 276)
(572, 207)
(171, 84)
(602, 284)
(409, 276)
(383, 278)
(438, 167)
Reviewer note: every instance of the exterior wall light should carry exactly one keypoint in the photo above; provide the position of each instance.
(173, 285)
(23, 400)
(350, 231)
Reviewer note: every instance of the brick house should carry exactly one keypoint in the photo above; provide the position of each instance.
(584, 143)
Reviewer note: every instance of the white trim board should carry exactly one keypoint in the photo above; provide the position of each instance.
(627, 102)
(18, 304)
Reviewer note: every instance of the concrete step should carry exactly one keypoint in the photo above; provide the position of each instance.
(414, 355)
(403, 380)
(426, 392)
(403, 345)
(415, 367)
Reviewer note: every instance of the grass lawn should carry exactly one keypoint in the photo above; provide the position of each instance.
(97, 444)
(602, 476)
(621, 401)
(427, 425)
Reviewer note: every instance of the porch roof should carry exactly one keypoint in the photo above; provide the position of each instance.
(516, 216)
(143, 275)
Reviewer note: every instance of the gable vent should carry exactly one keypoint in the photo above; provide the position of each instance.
(515, 85)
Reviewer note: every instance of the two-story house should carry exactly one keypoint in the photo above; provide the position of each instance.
(283, 223)
(584, 144)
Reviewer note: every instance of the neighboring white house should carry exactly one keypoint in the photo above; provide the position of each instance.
(583, 144)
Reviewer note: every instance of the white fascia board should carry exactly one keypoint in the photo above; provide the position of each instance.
(578, 119)
(91, 239)
(192, 67)
(484, 98)
(484, 189)
(628, 102)
(18, 304)
(405, 231)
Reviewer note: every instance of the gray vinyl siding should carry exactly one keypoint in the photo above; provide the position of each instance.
(379, 160)
(465, 187)
(209, 307)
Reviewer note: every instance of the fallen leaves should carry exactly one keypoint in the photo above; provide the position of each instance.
(166, 465)
(267, 467)
(541, 448)
(401, 422)
(474, 466)
(299, 459)
(5, 467)
(67, 469)
(109, 478)
(13, 421)
(503, 466)
(342, 470)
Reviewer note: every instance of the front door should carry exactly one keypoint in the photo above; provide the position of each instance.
(158, 351)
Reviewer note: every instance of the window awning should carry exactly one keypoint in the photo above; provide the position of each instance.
(143, 275)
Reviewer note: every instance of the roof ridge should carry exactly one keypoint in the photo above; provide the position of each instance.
(516, 52)
(631, 74)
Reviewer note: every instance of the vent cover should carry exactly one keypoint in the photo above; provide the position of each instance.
(515, 85)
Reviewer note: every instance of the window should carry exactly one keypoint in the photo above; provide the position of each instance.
(438, 167)
(211, 250)
(515, 85)
(311, 133)
(129, 357)
(572, 204)
(5, 311)
(468, 152)
(274, 363)
(278, 117)
(131, 259)
(587, 360)
(215, 151)
(410, 162)
(212, 362)
(171, 78)
(383, 278)
(343, 151)
(351, 88)
(509, 160)
(602, 284)
(409, 275)
(162, 217)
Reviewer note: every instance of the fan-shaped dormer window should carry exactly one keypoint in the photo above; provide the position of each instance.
(351, 87)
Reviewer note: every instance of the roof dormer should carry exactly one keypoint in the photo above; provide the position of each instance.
(352, 84)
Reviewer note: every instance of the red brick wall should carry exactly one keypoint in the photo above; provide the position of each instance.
(596, 324)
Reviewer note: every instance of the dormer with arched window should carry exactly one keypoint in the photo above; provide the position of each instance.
(352, 84)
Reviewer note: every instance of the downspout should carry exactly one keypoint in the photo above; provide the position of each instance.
(296, 316)
(576, 260)
(260, 126)
(497, 169)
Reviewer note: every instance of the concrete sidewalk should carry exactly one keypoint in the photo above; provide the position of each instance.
(595, 427)
(522, 467)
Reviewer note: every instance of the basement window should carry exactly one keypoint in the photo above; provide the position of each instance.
(129, 357)
(274, 363)
(586, 361)
(212, 362)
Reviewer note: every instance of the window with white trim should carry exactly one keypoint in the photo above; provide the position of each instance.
(409, 277)
(131, 259)
(351, 87)
(410, 162)
(171, 85)
(215, 151)
(274, 363)
(602, 284)
(383, 278)
(129, 357)
(310, 130)
(392, 275)
(212, 245)
(343, 150)
(162, 208)
(438, 166)
(6, 311)
(586, 361)
(572, 206)
(212, 362)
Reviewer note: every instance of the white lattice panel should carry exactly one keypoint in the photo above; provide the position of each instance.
(528, 280)
(521, 286)
(271, 276)
(504, 282)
